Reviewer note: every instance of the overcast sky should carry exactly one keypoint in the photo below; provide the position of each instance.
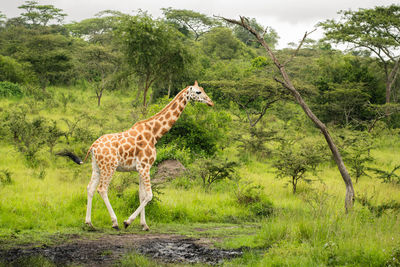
(290, 18)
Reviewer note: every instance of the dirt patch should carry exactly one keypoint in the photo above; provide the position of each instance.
(107, 249)
(185, 251)
(169, 168)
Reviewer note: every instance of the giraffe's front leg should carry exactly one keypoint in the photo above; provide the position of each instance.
(147, 195)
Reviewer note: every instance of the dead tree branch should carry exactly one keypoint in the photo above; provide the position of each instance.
(287, 83)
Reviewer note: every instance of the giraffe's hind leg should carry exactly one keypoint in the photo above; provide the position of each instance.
(105, 180)
(91, 188)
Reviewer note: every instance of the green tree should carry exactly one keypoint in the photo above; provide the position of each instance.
(96, 30)
(36, 14)
(49, 56)
(295, 160)
(13, 71)
(3, 19)
(188, 21)
(253, 95)
(376, 30)
(153, 49)
(271, 36)
(222, 44)
(97, 64)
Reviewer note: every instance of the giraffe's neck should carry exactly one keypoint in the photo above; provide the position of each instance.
(163, 121)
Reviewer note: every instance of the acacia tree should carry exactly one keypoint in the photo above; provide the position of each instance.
(41, 14)
(153, 49)
(190, 21)
(287, 83)
(376, 30)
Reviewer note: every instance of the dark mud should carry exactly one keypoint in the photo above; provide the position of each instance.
(108, 249)
(173, 251)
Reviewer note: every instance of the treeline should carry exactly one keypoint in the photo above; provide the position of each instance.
(158, 57)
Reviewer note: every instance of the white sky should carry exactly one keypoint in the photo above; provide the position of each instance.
(290, 18)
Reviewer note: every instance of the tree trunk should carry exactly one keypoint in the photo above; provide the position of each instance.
(294, 184)
(169, 85)
(287, 83)
(388, 91)
(390, 79)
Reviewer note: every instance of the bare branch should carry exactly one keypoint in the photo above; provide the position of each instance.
(306, 34)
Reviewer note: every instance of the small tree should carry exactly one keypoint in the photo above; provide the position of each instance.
(357, 153)
(214, 170)
(98, 63)
(297, 160)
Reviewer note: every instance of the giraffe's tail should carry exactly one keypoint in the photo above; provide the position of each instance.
(71, 155)
(87, 154)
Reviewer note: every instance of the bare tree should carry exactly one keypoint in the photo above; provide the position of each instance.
(287, 83)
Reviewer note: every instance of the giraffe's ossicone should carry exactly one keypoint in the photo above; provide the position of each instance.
(134, 150)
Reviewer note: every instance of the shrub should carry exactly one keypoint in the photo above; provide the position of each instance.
(5, 177)
(9, 89)
(13, 71)
(297, 159)
(213, 170)
(357, 153)
(29, 136)
(172, 151)
(387, 176)
(200, 130)
(253, 197)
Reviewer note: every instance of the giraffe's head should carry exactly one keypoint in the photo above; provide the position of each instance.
(196, 93)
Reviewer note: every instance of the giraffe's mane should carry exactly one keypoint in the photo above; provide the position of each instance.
(165, 108)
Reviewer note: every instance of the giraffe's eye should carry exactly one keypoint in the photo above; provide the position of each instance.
(198, 92)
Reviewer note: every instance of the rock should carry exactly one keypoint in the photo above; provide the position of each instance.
(167, 169)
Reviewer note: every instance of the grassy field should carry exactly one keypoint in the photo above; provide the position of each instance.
(310, 228)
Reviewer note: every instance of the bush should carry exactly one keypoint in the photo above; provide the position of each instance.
(295, 160)
(13, 71)
(253, 197)
(172, 151)
(29, 136)
(200, 130)
(213, 170)
(9, 89)
(5, 177)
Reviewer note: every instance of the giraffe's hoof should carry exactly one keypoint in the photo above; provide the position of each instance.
(145, 228)
(126, 224)
(89, 227)
(116, 227)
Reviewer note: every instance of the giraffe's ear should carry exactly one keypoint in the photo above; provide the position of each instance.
(195, 83)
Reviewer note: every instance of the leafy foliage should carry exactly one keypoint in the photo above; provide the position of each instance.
(387, 176)
(9, 89)
(153, 49)
(213, 170)
(189, 21)
(297, 159)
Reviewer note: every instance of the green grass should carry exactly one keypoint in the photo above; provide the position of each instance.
(306, 229)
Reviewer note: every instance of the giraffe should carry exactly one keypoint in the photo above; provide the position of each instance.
(134, 150)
